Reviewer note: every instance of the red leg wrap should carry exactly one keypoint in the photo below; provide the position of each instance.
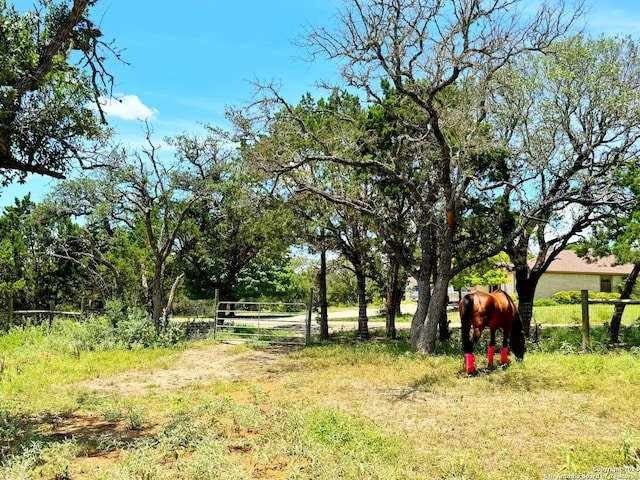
(490, 353)
(504, 355)
(470, 360)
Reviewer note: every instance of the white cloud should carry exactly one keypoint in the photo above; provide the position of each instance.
(127, 107)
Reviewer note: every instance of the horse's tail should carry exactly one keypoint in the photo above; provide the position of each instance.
(517, 340)
(465, 319)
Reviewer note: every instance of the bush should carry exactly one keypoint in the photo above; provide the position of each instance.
(136, 330)
(93, 333)
(567, 298)
(575, 296)
(545, 302)
(605, 295)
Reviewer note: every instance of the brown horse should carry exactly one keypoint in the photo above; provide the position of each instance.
(494, 310)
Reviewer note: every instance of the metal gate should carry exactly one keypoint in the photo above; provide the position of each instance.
(262, 322)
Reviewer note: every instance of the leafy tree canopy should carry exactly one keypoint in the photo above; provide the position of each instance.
(52, 75)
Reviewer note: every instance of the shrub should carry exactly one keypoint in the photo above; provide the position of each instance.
(566, 298)
(575, 296)
(605, 295)
(136, 330)
(545, 302)
(173, 334)
(94, 333)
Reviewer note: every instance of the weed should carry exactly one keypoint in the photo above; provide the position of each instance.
(210, 460)
(135, 417)
(460, 466)
(142, 462)
(56, 459)
(182, 432)
(630, 448)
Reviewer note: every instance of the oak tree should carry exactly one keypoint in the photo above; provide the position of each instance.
(52, 76)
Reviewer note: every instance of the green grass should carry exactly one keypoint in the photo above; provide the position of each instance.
(38, 369)
(340, 409)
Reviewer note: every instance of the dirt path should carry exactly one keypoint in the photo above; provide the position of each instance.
(196, 365)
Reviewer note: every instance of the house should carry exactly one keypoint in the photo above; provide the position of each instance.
(568, 272)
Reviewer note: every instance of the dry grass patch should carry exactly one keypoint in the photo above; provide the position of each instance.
(352, 411)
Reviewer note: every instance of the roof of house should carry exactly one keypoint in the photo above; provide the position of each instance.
(568, 262)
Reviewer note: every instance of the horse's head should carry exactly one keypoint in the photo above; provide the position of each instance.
(517, 341)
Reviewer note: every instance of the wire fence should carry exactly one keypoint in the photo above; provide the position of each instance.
(571, 315)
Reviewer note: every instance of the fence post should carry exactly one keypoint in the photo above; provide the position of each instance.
(307, 337)
(216, 302)
(9, 311)
(52, 308)
(586, 343)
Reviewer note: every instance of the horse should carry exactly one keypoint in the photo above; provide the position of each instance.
(495, 310)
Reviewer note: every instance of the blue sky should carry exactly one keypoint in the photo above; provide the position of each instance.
(192, 59)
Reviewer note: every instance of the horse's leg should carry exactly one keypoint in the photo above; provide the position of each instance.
(504, 353)
(492, 348)
(469, 356)
(470, 363)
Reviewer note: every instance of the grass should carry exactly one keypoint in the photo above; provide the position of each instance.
(38, 371)
(342, 409)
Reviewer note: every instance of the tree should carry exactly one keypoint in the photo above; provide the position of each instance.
(106, 249)
(619, 235)
(571, 121)
(52, 76)
(440, 58)
(31, 275)
(353, 239)
(248, 229)
(489, 272)
(148, 197)
(13, 251)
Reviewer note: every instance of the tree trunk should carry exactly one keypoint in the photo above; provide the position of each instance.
(614, 328)
(526, 283)
(423, 339)
(419, 317)
(437, 251)
(391, 299)
(174, 290)
(322, 295)
(443, 324)
(157, 297)
(363, 320)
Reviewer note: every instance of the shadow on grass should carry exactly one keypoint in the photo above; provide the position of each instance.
(93, 435)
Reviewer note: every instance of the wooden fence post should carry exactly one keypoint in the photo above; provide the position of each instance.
(9, 311)
(216, 302)
(586, 342)
(52, 308)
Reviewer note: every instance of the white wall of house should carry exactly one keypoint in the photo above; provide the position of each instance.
(551, 283)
